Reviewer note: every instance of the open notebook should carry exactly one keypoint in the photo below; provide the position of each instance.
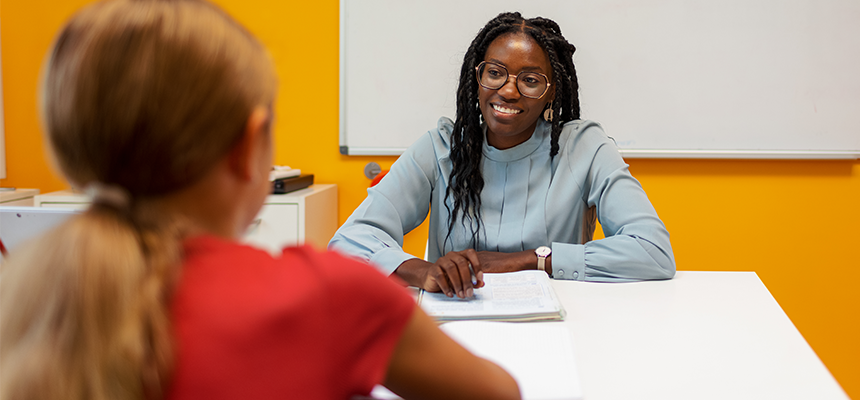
(514, 296)
(538, 355)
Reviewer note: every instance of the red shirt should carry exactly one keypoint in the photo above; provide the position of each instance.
(305, 325)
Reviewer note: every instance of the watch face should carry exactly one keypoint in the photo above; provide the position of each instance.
(543, 251)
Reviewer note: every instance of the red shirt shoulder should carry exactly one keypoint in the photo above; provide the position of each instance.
(307, 324)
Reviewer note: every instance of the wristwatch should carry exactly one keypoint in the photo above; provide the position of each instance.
(542, 253)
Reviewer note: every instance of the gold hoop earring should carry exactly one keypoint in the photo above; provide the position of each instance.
(547, 114)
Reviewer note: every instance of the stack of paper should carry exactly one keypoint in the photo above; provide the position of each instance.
(283, 171)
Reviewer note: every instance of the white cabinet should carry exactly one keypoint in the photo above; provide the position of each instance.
(306, 216)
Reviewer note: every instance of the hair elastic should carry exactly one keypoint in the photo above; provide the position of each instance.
(109, 195)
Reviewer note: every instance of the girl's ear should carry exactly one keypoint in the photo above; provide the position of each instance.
(246, 154)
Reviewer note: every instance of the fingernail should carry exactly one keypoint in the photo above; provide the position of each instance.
(461, 293)
(471, 292)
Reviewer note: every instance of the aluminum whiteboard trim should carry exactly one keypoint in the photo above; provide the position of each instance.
(342, 74)
(372, 151)
(743, 154)
(673, 154)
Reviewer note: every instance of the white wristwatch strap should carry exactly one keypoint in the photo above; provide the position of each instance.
(542, 253)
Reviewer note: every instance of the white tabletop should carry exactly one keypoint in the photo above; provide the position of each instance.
(701, 335)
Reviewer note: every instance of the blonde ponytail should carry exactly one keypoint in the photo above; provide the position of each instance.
(84, 313)
(146, 96)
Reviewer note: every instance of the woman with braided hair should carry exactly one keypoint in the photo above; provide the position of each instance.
(515, 182)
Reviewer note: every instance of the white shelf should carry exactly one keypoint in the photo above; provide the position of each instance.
(306, 216)
(18, 197)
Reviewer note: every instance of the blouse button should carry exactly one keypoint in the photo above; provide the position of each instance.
(561, 272)
(575, 274)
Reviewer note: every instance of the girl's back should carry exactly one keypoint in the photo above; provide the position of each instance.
(314, 325)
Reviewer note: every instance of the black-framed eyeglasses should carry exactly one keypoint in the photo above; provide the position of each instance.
(493, 76)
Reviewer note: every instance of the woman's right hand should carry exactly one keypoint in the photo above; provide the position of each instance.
(451, 274)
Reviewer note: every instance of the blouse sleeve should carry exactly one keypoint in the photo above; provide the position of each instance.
(636, 246)
(395, 206)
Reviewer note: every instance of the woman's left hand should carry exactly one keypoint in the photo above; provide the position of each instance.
(493, 262)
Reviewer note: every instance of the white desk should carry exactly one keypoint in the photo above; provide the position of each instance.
(702, 335)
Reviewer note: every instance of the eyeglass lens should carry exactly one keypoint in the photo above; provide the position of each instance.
(494, 76)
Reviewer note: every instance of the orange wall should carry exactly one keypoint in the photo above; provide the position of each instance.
(795, 223)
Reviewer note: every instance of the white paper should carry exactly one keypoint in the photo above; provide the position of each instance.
(539, 355)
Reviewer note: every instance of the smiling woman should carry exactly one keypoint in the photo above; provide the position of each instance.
(515, 182)
(511, 107)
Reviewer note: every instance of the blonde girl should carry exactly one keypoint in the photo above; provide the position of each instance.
(163, 111)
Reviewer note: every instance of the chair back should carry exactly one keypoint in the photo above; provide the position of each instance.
(589, 223)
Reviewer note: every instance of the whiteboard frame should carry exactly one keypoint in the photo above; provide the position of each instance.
(2, 121)
(695, 154)
(342, 82)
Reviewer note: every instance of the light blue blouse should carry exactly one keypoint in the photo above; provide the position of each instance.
(529, 200)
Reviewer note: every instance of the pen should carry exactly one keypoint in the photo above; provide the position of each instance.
(472, 274)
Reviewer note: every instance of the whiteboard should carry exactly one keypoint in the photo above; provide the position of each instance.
(2, 127)
(665, 78)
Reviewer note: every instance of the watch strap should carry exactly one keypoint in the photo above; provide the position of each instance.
(542, 253)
